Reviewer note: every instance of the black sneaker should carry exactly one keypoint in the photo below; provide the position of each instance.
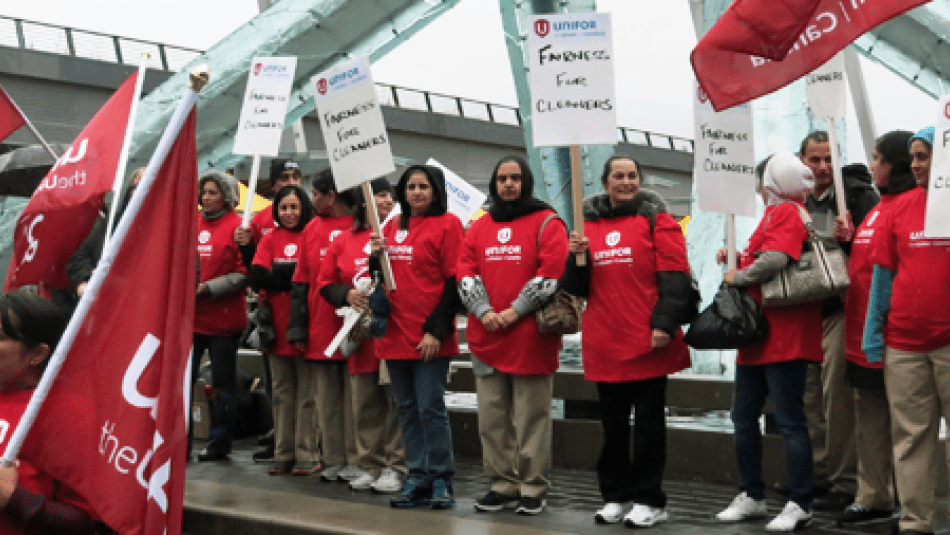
(530, 505)
(834, 501)
(442, 497)
(412, 495)
(264, 454)
(856, 514)
(212, 453)
(495, 501)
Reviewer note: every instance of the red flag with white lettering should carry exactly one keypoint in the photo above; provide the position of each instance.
(64, 206)
(10, 116)
(114, 426)
(759, 46)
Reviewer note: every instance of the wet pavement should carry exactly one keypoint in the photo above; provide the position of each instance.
(238, 497)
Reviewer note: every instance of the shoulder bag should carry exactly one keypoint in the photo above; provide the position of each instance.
(562, 313)
(731, 321)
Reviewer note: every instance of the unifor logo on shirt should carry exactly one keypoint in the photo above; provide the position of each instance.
(401, 235)
(290, 249)
(504, 235)
(334, 234)
(204, 236)
(613, 239)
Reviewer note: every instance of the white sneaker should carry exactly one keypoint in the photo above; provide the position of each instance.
(350, 472)
(388, 481)
(644, 516)
(741, 508)
(331, 473)
(610, 513)
(791, 518)
(364, 482)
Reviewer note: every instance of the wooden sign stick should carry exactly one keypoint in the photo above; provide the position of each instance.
(373, 219)
(577, 197)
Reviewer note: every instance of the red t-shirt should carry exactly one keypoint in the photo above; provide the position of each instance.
(347, 261)
(281, 246)
(794, 330)
(623, 293)
(262, 224)
(506, 257)
(324, 323)
(219, 255)
(919, 318)
(422, 256)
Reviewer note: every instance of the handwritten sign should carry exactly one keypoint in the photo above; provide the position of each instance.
(724, 167)
(572, 80)
(265, 106)
(352, 124)
(825, 88)
(936, 222)
(464, 199)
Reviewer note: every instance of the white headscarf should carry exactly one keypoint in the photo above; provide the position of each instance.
(786, 178)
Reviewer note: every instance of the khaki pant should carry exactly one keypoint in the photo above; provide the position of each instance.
(874, 448)
(370, 415)
(514, 423)
(331, 381)
(295, 406)
(918, 389)
(829, 409)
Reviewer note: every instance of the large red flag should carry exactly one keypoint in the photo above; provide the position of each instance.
(64, 206)
(759, 46)
(10, 116)
(114, 427)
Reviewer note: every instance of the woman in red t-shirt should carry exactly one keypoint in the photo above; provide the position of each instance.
(775, 367)
(294, 399)
(639, 292)
(220, 305)
(29, 498)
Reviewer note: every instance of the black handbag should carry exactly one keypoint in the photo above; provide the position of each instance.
(731, 321)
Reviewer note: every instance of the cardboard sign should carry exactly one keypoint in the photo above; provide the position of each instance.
(265, 106)
(724, 167)
(573, 100)
(352, 124)
(936, 223)
(825, 88)
(464, 199)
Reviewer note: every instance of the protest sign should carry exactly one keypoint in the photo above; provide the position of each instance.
(936, 222)
(724, 168)
(352, 124)
(825, 88)
(265, 106)
(572, 80)
(464, 199)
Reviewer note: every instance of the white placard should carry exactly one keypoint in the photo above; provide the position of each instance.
(825, 88)
(724, 168)
(573, 99)
(352, 124)
(464, 199)
(936, 222)
(265, 106)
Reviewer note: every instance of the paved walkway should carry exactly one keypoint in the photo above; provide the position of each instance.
(238, 497)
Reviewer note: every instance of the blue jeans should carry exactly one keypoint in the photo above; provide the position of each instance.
(420, 393)
(222, 350)
(784, 384)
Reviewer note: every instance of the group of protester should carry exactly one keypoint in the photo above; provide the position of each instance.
(314, 260)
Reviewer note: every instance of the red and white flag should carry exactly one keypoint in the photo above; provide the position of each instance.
(64, 206)
(10, 116)
(759, 46)
(114, 426)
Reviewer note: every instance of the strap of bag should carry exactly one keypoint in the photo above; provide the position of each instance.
(544, 224)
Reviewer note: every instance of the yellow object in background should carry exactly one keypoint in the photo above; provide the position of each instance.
(259, 203)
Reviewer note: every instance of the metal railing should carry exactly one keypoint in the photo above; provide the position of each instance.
(31, 35)
(26, 34)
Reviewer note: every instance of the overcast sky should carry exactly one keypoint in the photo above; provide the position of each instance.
(463, 53)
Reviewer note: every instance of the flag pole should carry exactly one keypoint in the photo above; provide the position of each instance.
(126, 143)
(33, 129)
(836, 166)
(198, 79)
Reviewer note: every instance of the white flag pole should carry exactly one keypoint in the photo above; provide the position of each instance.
(126, 143)
(836, 165)
(198, 79)
(251, 190)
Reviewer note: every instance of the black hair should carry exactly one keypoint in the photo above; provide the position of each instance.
(436, 180)
(359, 204)
(818, 136)
(610, 161)
(306, 207)
(527, 178)
(323, 183)
(32, 319)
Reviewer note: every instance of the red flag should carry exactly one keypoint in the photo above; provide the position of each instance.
(114, 427)
(10, 116)
(64, 206)
(759, 46)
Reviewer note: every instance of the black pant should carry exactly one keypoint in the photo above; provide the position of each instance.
(639, 479)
